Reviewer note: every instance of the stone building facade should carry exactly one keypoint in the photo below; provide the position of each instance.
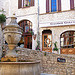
(52, 23)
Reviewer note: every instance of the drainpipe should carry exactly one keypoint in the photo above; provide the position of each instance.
(38, 17)
(38, 27)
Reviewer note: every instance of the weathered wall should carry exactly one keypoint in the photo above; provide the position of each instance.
(49, 62)
(60, 16)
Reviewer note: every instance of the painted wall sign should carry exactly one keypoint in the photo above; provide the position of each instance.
(57, 23)
(61, 60)
(60, 23)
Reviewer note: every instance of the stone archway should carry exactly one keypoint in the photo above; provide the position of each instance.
(26, 40)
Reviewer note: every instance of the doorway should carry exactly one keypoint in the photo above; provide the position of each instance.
(26, 40)
(47, 41)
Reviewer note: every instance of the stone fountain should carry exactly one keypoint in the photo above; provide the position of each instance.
(12, 34)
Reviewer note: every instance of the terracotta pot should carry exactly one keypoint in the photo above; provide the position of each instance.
(34, 36)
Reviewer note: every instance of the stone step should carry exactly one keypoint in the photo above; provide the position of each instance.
(47, 74)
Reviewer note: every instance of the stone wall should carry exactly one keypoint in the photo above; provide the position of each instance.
(49, 62)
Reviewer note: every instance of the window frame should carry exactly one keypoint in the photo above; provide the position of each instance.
(70, 43)
(21, 4)
(23, 24)
(48, 6)
(53, 5)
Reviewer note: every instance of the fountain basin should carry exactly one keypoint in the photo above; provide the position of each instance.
(20, 68)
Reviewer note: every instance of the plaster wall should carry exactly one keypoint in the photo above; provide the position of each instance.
(65, 5)
(2, 3)
(33, 19)
(60, 16)
(42, 6)
(28, 13)
(13, 8)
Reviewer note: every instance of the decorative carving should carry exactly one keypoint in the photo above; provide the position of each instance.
(12, 34)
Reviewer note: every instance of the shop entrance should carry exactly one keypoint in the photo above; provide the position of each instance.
(47, 41)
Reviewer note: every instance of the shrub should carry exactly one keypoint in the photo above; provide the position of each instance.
(2, 18)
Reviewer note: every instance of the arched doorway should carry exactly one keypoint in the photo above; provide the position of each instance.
(26, 40)
(47, 40)
(67, 42)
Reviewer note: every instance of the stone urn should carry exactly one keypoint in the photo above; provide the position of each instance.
(12, 34)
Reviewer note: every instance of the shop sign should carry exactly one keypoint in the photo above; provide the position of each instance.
(61, 60)
(57, 23)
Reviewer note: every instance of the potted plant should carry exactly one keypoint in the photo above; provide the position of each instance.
(26, 5)
(55, 49)
(30, 31)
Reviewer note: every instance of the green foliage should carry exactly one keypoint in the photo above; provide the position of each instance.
(2, 18)
(16, 51)
(55, 47)
(32, 32)
(26, 5)
(45, 54)
(38, 45)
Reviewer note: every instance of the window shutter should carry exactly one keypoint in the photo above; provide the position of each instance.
(47, 6)
(59, 5)
(71, 4)
(19, 3)
(32, 3)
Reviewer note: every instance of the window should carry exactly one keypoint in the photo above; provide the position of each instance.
(53, 5)
(25, 3)
(26, 25)
(68, 39)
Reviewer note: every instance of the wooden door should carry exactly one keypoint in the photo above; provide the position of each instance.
(28, 42)
(47, 42)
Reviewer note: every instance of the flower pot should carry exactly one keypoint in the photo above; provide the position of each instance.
(34, 36)
(56, 52)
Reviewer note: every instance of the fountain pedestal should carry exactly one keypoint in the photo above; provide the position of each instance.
(19, 68)
(12, 34)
